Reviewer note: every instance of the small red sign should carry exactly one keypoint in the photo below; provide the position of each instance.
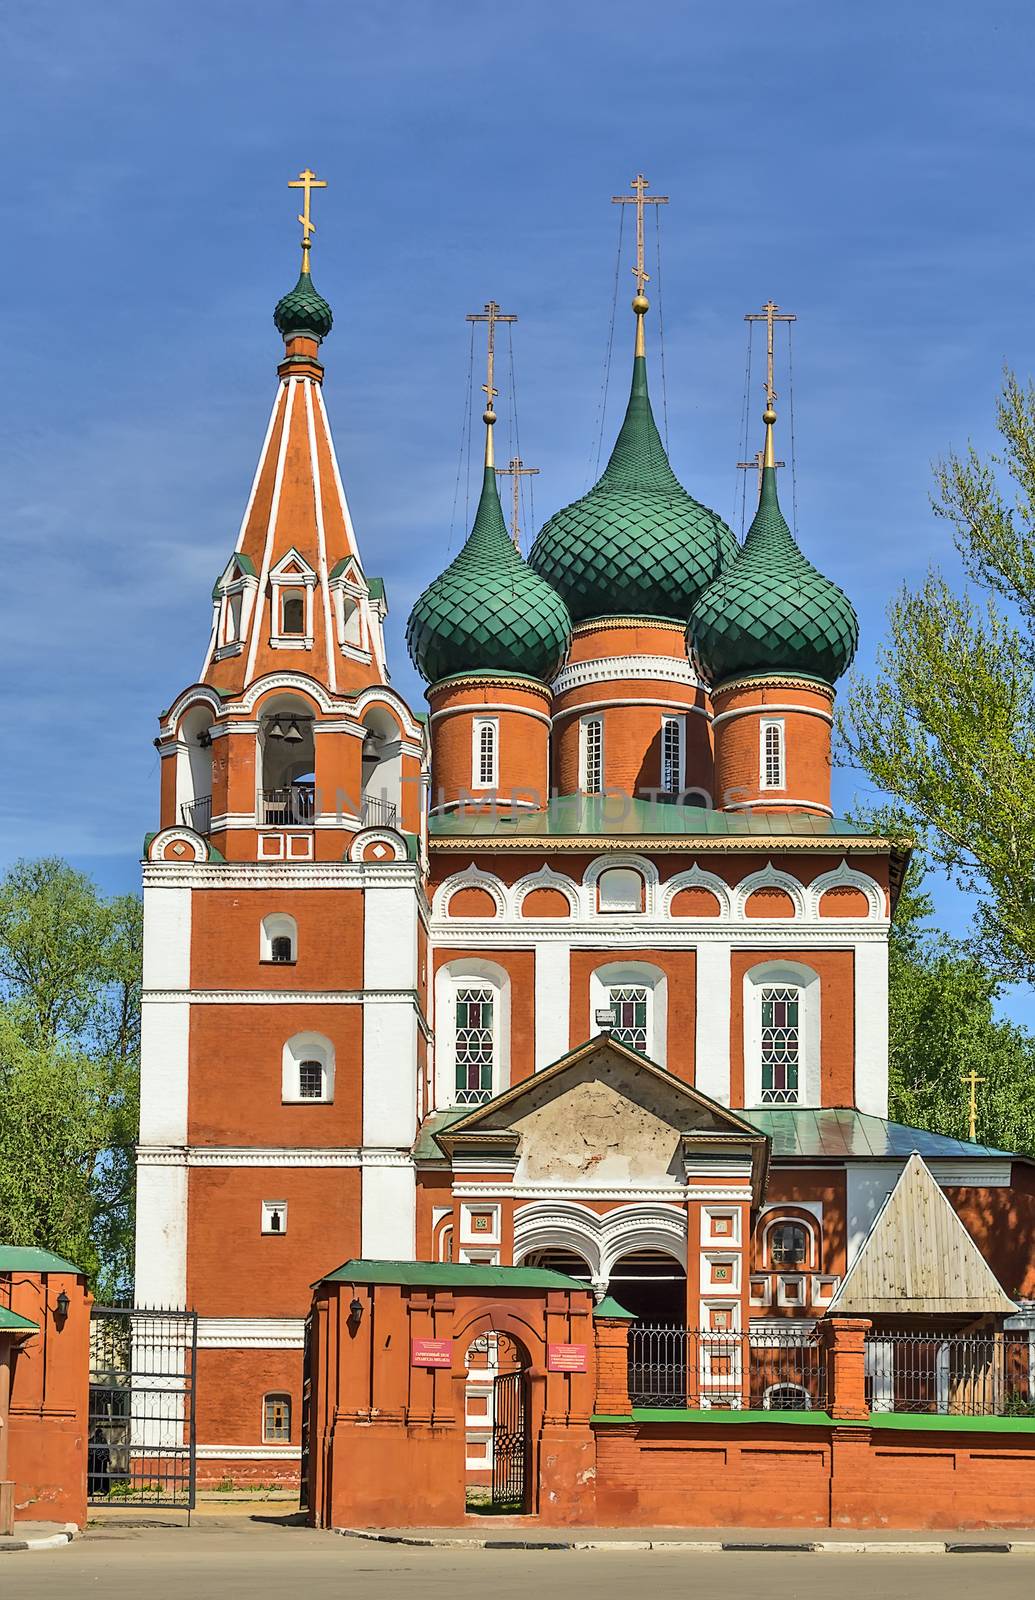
(566, 1357)
(431, 1352)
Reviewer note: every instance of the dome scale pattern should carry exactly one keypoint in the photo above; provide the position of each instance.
(637, 544)
(303, 311)
(488, 612)
(772, 610)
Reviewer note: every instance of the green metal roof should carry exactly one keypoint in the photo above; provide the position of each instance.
(637, 543)
(426, 1149)
(303, 311)
(376, 588)
(25, 1258)
(13, 1322)
(609, 1307)
(619, 814)
(836, 1131)
(771, 609)
(488, 611)
(449, 1274)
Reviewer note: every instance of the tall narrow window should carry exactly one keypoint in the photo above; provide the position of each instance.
(475, 1045)
(310, 1080)
(592, 755)
(293, 612)
(671, 755)
(485, 763)
(781, 1045)
(276, 1419)
(629, 1009)
(772, 754)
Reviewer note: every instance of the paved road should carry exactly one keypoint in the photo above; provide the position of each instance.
(243, 1559)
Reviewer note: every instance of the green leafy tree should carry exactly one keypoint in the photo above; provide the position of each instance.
(947, 724)
(69, 1067)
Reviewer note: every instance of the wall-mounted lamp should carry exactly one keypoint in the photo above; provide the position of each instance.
(356, 1312)
(61, 1306)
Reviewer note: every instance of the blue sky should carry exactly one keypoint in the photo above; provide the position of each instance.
(871, 172)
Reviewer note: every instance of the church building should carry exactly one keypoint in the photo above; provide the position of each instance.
(574, 968)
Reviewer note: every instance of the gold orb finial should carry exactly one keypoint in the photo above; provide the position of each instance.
(641, 305)
(489, 417)
(769, 415)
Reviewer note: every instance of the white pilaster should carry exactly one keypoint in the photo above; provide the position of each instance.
(552, 1001)
(389, 1031)
(164, 1049)
(389, 1212)
(161, 1233)
(712, 1043)
(871, 1028)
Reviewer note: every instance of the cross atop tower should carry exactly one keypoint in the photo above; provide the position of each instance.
(972, 1080)
(517, 470)
(639, 198)
(770, 314)
(490, 315)
(758, 462)
(307, 181)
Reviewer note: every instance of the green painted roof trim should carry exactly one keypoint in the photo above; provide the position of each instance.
(13, 1322)
(593, 815)
(637, 543)
(488, 611)
(609, 1307)
(376, 588)
(771, 610)
(26, 1258)
(450, 1274)
(841, 1131)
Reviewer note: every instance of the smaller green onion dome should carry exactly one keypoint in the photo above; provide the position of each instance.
(771, 611)
(637, 543)
(302, 311)
(488, 612)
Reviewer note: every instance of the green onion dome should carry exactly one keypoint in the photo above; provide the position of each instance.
(303, 312)
(487, 612)
(637, 543)
(771, 611)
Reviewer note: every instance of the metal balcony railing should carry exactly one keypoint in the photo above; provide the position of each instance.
(379, 813)
(197, 814)
(291, 806)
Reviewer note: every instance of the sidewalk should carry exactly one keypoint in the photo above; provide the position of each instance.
(509, 1535)
(38, 1536)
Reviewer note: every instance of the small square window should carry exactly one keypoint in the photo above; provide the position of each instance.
(274, 1216)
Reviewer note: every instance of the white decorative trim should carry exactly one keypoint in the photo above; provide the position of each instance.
(288, 875)
(676, 1192)
(472, 877)
(773, 799)
(481, 709)
(545, 878)
(769, 877)
(767, 710)
(271, 526)
(282, 997)
(172, 836)
(386, 836)
(684, 933)
(214, 1155)
(605, 669)
(590, 706)
(197, 694)
(602, 1239)
(807, 981)
(321, 540)
(249, 1452)
(642, 864)
(845, 877)
(251, 1333)
(695, 878)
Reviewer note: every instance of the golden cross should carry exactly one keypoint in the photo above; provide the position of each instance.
(769, 314)
(757, 463)
(639, 199)
(517, 470)
(491, 314)
(973, 1080)
(308, 181)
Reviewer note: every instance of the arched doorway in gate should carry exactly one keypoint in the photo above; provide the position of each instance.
(497, 1423)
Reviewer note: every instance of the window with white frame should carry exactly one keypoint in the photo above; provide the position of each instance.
(292, 611)
(274, 1216)
(788, 1244)
(278, 938)
(629, 1009)
(475, 1043)
(781, 1043)
(276, 1419)
(771, 755)
(620, 889)
(485, 753)
(308, 1069)
(591, 755)
(672, 735)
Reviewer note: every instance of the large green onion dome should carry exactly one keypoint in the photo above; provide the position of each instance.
(637, 544)
(487, 612)
(302, 312)
(771, 611)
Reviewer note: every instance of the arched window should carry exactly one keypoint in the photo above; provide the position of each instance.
(780, 1044)
(620, 889)
(278, 938)
(276, 1419)
(636, 996)
(472, 1032)
(485, 753)
(786, 1397)
(772, 760)
(292, 610)
(672, 740)
(781, 1035)
(194, 768)
(307, 1069)
(788, 1245)
(591, 755)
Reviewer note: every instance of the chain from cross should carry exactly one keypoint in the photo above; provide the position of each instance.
(639, 198)
(308, 181)
(517, 470)
(770, 314)
(491, 314)
(757, 462)
(972, 1080)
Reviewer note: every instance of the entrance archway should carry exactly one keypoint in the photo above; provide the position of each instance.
(559, 1260)
(651, 1284)
(497, 1423)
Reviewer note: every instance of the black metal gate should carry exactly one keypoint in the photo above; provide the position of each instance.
(510, 1442)
(306, 1420)
(141, 1447)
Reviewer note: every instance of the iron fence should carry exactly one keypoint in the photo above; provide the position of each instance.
(141, 1446)
(956, 1375)
(379, 813)
(197, 814)
(695, 1368)
(290, 806)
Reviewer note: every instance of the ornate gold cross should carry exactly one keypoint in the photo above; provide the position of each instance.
(639, 198)
(308, 181)
(491, 314)
(972, 1080)
(770, 314)
(517, 470)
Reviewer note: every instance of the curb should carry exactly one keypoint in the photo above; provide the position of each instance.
(896, 1547)
(50, 1541)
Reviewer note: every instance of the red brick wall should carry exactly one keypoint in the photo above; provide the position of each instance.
(225, 925)
(228, 1409)
(678, 967)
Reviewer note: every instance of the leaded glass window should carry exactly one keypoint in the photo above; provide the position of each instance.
(772, 755)
(629, 1008)
(593, 755)
(671, 765)
(788, 1245)
(276, 1419)
(310, 1080)
(781, 1045)
(485, 755)
(474, 1045)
